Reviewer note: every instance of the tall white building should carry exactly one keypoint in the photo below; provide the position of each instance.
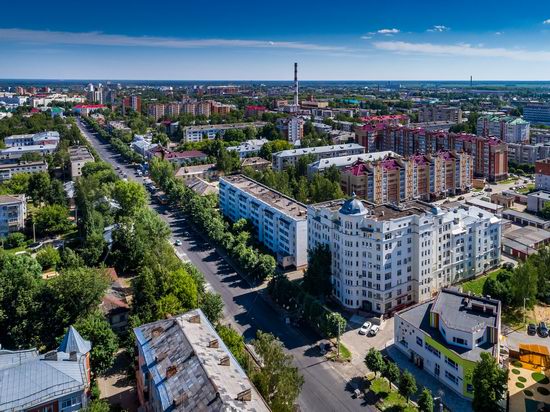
(280, 221)
(386, 257)
(281, 160)
(508, 128)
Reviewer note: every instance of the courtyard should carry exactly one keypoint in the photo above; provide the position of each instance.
(529, 388)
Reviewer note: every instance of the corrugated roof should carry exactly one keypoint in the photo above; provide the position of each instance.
(73, 342)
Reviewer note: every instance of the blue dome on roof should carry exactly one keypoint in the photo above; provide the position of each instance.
(353, 206)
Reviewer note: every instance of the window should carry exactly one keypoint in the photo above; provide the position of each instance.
(68, 403)
(451, 363)
(433, 350)
(451, 377)
(419, 341)
(460, 341)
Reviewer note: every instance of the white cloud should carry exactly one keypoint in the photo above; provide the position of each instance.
(498, 33)
(388, 31)
(101, 39)
(366, 37)
(547, 21)
(439, 28)
(463, 50)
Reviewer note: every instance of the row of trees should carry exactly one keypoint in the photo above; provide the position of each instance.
(293, 182)
(119, 145)
(530, 280)
(203, 212)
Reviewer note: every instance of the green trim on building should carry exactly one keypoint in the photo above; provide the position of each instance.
(467, 365)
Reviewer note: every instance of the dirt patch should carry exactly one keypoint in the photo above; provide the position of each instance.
(541, 313)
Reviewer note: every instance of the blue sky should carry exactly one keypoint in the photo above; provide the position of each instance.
(250, 40)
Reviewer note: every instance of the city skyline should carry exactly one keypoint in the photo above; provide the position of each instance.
(242, 41)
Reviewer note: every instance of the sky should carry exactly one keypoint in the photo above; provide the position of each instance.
(259, 40)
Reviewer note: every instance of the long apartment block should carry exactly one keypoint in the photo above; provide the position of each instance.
(285, 158)
(386, 257)
(490, 154)
(280, 221)
(395, 179)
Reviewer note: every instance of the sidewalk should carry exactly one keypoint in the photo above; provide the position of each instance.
(450, 399)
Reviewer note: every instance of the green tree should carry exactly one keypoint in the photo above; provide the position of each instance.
(335, 324)
(39, 187)
(97, 330)
(523, 283)
(48, 257)
(131, 196)
(19, 183)
(426, 401)
(212, 306)
(70, 259)
(407, 384)
(374, 361)
(97, 405)
(489, 381)
(235, 342)
(168, 305)
(391, 372)
(317, 276)
(278, 380)
(15, 239)
(51, 220)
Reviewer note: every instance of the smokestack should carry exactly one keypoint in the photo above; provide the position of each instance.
(296, 84)
(471, 81)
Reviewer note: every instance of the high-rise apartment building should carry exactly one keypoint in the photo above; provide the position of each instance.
(285, 158)
(172, 109)
(203, 109)
(395, 179)
(507, 128)
(135, 103)
(156, 111)
(437, 113)
(490, 154)
(527, 153)
(386, 257)
(537, 113)
(280, 221)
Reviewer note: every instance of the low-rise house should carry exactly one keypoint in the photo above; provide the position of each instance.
(205, 172)
(115, 303)
(8, 170)
(445, 336)
(58, 380)
(525, 241)
(494, 208)
(87, 109)
(525, 219)
(183, 365)
(78, 157)
(502, 199)
(180, 158)
(143, 145)
(248, 148)
(202, 187)
(13, 212)
(537, 200)
(256, 163)
(33, 139)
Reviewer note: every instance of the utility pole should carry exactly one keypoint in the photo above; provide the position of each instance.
(338, 342)
(524, 300)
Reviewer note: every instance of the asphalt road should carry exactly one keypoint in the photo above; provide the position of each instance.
(324, 388)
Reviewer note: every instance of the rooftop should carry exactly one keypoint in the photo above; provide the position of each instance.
(79, 153)
(318, 150)
(198, 169)
(458, 311)
(7, 199)
(225, 126)
(342, 161)
(540, 195)
(290, 207)
(525, 216)
(528, 235)
(192, 368)
(382, 212)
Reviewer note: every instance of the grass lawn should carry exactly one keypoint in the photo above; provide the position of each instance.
(527, 189)
(14, 250)
(345, 354)
(389, 401)
(476, 285)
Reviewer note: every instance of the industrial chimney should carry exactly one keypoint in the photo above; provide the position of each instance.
(296, 103)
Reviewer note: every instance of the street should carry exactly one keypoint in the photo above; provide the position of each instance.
(325, 389)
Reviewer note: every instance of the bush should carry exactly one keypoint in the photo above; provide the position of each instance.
(14, 240)
(48, 257)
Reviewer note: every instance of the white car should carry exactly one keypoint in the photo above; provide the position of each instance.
(363, 330)
(178, 242)
(374, 330)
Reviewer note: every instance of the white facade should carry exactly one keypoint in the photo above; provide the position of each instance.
(15, 153)
(51, 137)
(280, 222)
(285, 158)
(248, 148)
(385, 257)
(197, 133)
(79, 156)
(8, 170)
(13, 211)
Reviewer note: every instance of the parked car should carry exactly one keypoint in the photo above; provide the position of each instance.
(461, 198)
(532, 329)
(363, 330)
(374, 330)
(543, 330)
(177, 242)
